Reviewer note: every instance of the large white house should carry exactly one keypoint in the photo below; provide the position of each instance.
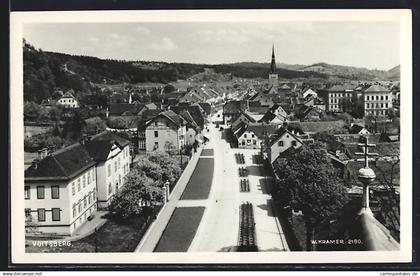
(60, 191)
(112, 154)
(165, 132)
(68, 100)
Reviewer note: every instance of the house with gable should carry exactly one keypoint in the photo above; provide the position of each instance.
(244, 117)
(279, 142)
(232, 108)
(68, 100)
(165, 132)
(251, 136)
(112, 155)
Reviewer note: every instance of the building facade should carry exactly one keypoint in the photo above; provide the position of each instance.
(113, 157)
(68, 100)
(60, 191)
(376, 100)
(165, 132)
(336, 95)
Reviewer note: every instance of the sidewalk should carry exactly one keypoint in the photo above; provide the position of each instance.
(153, 234)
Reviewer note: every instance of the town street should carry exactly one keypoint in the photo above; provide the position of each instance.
(219, 227)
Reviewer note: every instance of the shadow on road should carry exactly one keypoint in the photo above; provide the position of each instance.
(227, 135)
(267, 207)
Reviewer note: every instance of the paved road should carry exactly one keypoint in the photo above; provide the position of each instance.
(219, 226)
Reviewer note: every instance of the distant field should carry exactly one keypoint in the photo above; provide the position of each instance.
(180, 230)
(199, 185)
(34, 130)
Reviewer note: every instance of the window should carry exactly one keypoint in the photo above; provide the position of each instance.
(243, 142)
(78, 185)
(79, 206)
(280, 143)
(55, 214)
(27, 192)
(84, 202)
(88, 178)
(156, 145)
(115, 166)
(55, 192)
(386, 97)
(109, 188)
(294, 143)
(254, 142)
(245, 136)
(27, 212)
(74, 210)
(119, 163)
(90, 199)
(73, 189)
(40, 192)
(93, 175)
(109, 169)
(156, 133)
(41, 214)
(84, 180)
(156, 123)
(252, 136)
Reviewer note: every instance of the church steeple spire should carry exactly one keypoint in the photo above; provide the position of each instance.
(273, 62)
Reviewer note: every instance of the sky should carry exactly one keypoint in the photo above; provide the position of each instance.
(374, 45)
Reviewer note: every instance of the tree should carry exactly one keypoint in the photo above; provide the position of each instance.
(31, 110)
(137, 197)
(94, 126)
(168, 88)
(346, 105)
(312, 184)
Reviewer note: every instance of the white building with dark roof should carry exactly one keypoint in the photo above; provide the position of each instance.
(68, 100)
(60, 191)
(112, 155)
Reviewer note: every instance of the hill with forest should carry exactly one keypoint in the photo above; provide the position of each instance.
(44, 72)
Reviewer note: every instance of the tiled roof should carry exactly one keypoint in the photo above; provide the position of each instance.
(206, 107)
(279, 133)
(249, 117)
(171, 116)
(234, 106)
(376, 88)
(63, 164)
(100, 145)
(193, 110)
(118, 109)
(68, 94)
(341, 88)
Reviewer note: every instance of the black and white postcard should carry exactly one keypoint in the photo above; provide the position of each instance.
(230, 136)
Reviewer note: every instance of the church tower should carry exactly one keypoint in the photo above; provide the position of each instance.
(273, 78)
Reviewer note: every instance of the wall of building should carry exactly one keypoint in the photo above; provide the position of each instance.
(276, 149)
(68, 198)
(249, 140)
(377, 103)
(334, 99)
(111, 174)
(166, 133)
